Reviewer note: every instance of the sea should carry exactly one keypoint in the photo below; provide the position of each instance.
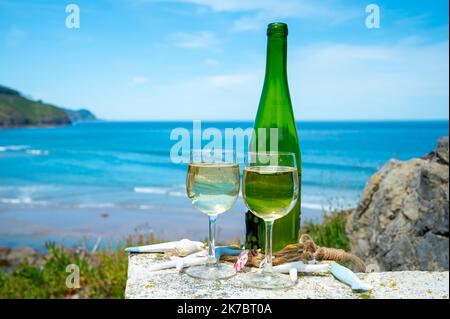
(99, 182)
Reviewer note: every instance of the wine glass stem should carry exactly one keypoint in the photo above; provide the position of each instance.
(212, 241)
(268, 249)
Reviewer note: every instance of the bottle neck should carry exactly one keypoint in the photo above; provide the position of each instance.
(276, 59)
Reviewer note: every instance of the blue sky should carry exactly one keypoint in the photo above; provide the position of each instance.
(199, 59)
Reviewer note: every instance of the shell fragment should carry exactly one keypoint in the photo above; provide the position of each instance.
(301, 267)
(183, 247)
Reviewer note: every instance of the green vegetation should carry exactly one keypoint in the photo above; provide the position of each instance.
(331, 232)
(80, 115)
(103, 273)
(17, 110)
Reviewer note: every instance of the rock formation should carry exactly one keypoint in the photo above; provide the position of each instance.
(401, 222)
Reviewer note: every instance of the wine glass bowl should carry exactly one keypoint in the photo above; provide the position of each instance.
(262, 198)
(212, 185)
(213, 188)
(270, 187)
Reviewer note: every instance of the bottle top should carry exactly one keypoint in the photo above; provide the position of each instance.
(277, 29)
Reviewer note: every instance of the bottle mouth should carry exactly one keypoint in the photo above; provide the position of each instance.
(277, 29)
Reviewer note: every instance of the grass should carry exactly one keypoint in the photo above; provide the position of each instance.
(331, 232)
(103, 273)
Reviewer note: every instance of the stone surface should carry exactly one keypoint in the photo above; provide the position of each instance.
(442, 149)
(401, 222)
(170, 283)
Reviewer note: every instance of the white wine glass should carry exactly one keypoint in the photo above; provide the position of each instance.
(212, 185)
(270, 187)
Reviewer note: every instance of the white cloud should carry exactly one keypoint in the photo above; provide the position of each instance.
(258, 13)
(328, 81)
(248, 5)
(136, 80)
(210, 61)
(222, 96)
(204, 39)
(375, 81)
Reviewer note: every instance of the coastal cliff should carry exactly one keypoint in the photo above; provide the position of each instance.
(16, 110)
(401, 222)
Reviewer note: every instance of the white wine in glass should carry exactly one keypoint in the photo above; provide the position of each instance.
(212, 185)
(270, 190)
(270, 187)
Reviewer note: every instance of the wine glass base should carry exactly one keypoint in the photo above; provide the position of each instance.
(264, 280)
(214, 272)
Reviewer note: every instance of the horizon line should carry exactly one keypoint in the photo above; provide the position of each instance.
(252, 120)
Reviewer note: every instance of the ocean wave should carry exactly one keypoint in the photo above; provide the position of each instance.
(177, 194)
(170, 191)
(115, 205)
(96, 205)
(13, 148)
(87, 205)
(23, 148)
(342, 167)
(22, 200)
(145, 207)
(37, 152)
(151, 190)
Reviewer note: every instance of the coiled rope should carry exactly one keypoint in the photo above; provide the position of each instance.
(305, 250)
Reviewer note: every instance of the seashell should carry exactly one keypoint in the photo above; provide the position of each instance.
(162, 266)
(162, 247)
(293, 274)
(182, 262)
(241, 261)
(301, 267)
(175, 261)
(186, 247)
(348, 277)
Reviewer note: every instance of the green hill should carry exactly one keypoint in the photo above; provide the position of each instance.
(80, 115)
(17, 110)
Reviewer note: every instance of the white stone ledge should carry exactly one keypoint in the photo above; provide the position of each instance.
(171, 284)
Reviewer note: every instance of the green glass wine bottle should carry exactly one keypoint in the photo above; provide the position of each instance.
(275, 111)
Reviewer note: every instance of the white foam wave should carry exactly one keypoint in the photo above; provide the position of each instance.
(13, 148)
(177, 194)
(37, 152)
(145, 207)
(96, 205)
(170, 191)
(151, 190)
(21, 200)
(10, 200)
